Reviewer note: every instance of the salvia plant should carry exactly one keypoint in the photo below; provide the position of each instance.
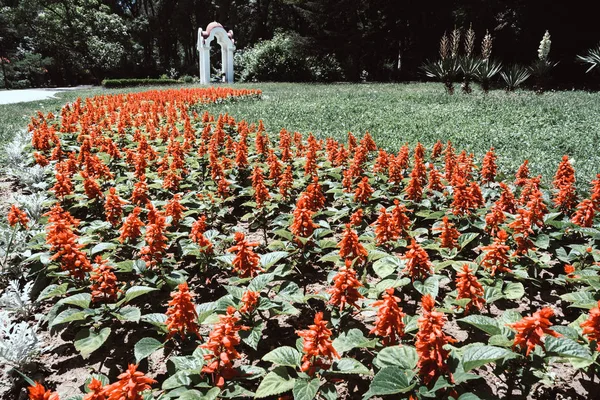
(195, 256)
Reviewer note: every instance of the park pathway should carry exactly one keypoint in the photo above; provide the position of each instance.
(25, 95)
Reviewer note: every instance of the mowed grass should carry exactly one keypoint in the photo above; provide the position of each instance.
(520, 125)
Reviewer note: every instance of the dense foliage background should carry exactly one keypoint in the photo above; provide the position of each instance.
(58, 42)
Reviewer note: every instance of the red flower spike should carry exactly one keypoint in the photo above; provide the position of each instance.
(389, 322)
(488, 167)
(39, 392)
(17, 216)
(103, 282)
(174, 209)
(181, 315)
(591, 326)
(131, 229)
(303, 225)
(345, 287)
(261, 193)
(96, 391)
(197, 235)
(418, 266)
(350, 247)
(246, 261)
(564, 181)
(385, 228)
(530, 330)
(584, 216)
(468, 287)
(357, 217)
(496, 256)
(113, 207)
(448, 234)
(363, 192)
(318, 348)
(522, 175)
(249, 301)
(130, 385)
(156, 241)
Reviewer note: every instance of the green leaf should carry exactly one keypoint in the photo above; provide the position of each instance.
(100, 247)
(430, 286)
(514, 290)
(486, 324)
(252, 337)
(568, 348)
(69, 315)
(52, 291)
(580, 299)
(260, 282)
(284, 355)
(349, 366)
(179, 379)
(305, 389)
(128, 313)
(270, 259)
(402, 356)
(354, 338)
(466, 238)
(136, 291)
(390, 380)
(86, 341)
(82, 300)
(145, 347)
(328, 392)
(386, 266)
(275, 382)
(476, 356)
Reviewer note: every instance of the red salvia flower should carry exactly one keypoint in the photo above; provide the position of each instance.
(131, 229)
(418, 265)
(139, 195)
(363, 191)
(261, 193)
(91, 187)
(182, 317)
(437, 149)
(521, 227)
(156, 241)
(63, 186)
(591, 326)
(494, 219)
(129, 386)
(197, 235)
(303, 225)
(522, 175)
(595, 195)
(17, 216)
(570, 271)
(496, 257)
(246, 261)
(430, 342)
(174, 209)
(488, 167)
(414, 190)
(357, 217)
(96, 391)
(103, 282)
(530, 330)
(350, 247)
(286, 182)
(39, 392)
(314, 191)
(274, 166)
(249, 301)
(113, 207)
(450, 162)
(537, 208)
(448, 234)
(317, 347)
(345, 287)
(385, 228)
(584, 216)
(382, 162)
(434, 183)
(468, 287)
(222, 341)
(401, 220)
(506, 202)
(564, 181)
(389, 322)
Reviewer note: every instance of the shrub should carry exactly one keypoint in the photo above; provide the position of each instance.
(121, 83)
(591, 58)
(325, 69)
(515, 76)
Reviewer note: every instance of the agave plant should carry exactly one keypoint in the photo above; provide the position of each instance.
(515, 76)
(541, 67)
(486, 72)
(444, 70)
(592, 58)
(469, 67)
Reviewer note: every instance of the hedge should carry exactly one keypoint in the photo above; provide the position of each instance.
(120, 83)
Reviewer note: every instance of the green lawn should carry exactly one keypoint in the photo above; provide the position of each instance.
(520, 125)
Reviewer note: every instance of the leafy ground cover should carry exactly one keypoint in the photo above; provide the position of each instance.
(184, 254)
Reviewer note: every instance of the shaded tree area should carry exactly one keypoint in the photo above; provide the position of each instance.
(58, 42)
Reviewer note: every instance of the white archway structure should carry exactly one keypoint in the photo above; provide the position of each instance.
(225, 39)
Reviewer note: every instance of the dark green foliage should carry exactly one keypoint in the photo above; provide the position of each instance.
(122, 83)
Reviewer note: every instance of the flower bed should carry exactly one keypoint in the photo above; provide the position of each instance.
(224, 261)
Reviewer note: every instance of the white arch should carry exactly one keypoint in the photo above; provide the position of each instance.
(225, 39)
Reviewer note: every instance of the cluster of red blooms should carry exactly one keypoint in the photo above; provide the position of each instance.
(496, 258)
(530, 330)
(246, 261)
(222, 341)
(418, 265)
(261, 193)
(197, 235)
(303, 225)
(113, 207)
(430, 342)
(318, 347)
(181, 314)
(17, 216)
(564, 182)
(468, 287)
(488, 167)
(389, 324)
(448, 234)
(385, 228)
(156, 241)
(345, 287)
(249, 301)
(350, 246)
(175, 209)
(103, 282)
(131, 229)
(591, 326)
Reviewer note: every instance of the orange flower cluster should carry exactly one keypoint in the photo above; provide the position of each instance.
(131, 229)
(156, 241)
(64, 242)
(181, 314)
(249, 301)
(39, 392)
(17, 216)
(496, 256)
(434, 182)
(385, 228)
(174, 209)
(448, 234)
(363, 191)
(388, 323)
(246, 261)
(595, 195)
(401, 220)
(103, 282)
(521, 227)
(468, 287)
(286, 182)
(522, 175)
(466, 197)
(197, 235)
(506, 202)
(494, 219)
(564, 182)
(418, 266)
(591, 326)
(91, 187)
(488, 167)
(130, 385)
(584, 216)
(318, 347)
(357, 217)
(430, 342)
(345, 287)
(530, 330)
(350, 246)
(95, 391)
(222, 341)
(303, 225)
(314, 193)
(113, 207)
(261, 193)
